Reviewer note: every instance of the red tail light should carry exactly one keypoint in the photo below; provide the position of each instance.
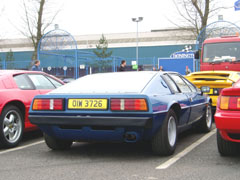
(47, 104)
(129, 105)
(229, 103)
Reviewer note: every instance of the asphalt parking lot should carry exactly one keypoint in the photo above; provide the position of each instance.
(196, 157)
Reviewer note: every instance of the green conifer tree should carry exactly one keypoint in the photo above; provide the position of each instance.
(102, 48)
(9, 59)
(102, 53)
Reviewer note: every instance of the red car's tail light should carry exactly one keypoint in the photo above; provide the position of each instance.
(229, 103)
(129, 105)
(47, 104)
(224, 102)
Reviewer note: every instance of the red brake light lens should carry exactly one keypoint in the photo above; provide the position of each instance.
(47, 104)
(229, 103)
(129, 105)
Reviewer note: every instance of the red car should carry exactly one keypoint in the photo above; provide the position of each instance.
(227, 119)
(17, 89)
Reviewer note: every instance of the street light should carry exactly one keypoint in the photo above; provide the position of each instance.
(139, 19)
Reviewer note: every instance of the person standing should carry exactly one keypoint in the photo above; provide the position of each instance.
(161, 68)
(36, 66)
(123, 66)
(187, 70)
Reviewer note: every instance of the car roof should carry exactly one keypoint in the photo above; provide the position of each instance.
(211, 73)
(222, 39)
(215, 76)
(11, 72)
(114, 82)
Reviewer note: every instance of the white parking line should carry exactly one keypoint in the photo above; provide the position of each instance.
(178, 156)
(21, 147)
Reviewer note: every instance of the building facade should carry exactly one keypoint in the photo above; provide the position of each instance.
(152, 45)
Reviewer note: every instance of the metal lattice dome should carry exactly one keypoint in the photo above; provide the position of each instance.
(57, 40)
(217, 29)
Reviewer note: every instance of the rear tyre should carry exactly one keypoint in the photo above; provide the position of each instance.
(226, 148)
(205, 124)
(164, 142)
(57, 144)
(11, 126)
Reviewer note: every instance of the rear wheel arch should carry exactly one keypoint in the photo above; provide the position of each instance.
(177, 109)
(18, 104)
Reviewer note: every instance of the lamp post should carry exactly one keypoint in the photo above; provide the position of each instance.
(137, 20)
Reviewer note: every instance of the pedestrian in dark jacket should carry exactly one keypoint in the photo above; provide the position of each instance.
(123, 66)
(36, 66)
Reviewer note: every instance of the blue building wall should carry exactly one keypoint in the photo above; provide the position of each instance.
(147, 55)
(21, 60)
(150, 51)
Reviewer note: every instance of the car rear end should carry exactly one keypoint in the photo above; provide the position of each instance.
(93, 117)
(99, 107)
(227, 117)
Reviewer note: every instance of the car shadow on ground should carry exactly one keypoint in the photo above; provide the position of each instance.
(126, 151)
(32, 135)
(105, 150)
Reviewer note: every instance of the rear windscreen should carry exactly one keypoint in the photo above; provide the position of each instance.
(119, 82)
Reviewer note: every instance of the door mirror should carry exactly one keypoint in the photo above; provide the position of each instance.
(205, 89)
(196, 54)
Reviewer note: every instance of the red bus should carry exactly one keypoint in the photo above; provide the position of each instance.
(221, 53)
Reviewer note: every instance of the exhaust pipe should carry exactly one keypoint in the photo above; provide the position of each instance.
(130, 137)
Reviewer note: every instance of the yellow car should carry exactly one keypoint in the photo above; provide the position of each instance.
(212, 82)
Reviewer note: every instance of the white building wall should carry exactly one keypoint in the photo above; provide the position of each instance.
(159, 38)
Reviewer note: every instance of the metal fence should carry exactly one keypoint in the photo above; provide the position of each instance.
(26, 65)
(64, 66)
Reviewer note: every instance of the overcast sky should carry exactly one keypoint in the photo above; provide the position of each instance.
(104, 16)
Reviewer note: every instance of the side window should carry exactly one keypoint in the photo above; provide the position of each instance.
(23, 82)
(181, 84)
(41, 82)
(55, 83)
(190, 85)
(159, 87)
(170, 82)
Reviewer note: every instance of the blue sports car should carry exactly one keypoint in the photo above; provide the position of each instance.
(122, 107)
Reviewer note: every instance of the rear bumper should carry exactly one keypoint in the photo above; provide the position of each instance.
(94, 128)
(92, 121)
(228, 122)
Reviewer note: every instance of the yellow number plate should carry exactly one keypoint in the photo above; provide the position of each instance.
(87, 103)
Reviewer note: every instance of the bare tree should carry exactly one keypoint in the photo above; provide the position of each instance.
(196, 13)
(37, 18)
(1, 8)
(1, 13)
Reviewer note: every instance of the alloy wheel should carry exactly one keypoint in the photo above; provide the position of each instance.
(12, 126)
